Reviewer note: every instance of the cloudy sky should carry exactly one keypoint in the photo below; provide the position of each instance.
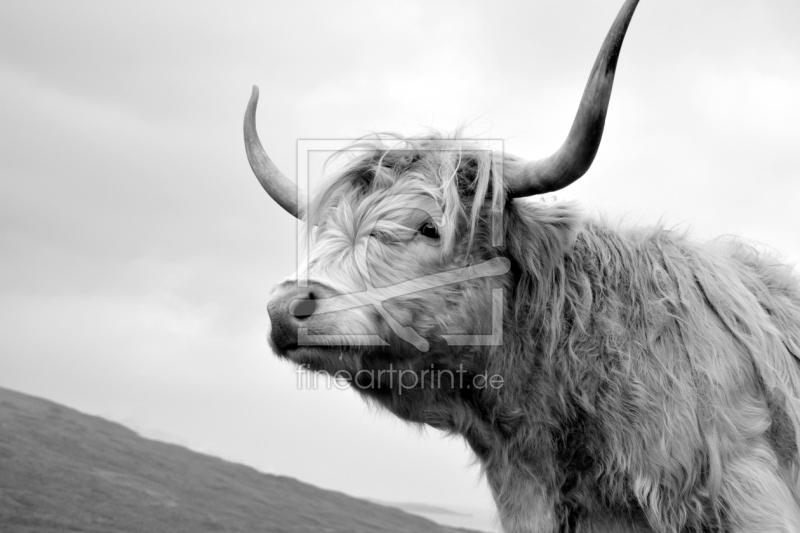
(137, 250)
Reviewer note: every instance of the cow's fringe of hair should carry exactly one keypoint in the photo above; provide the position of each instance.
(681, 357)
(369, 181)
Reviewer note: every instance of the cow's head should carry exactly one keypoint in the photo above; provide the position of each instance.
(410, 260)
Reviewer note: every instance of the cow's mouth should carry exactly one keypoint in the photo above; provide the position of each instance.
(323, 351)
(325, 358)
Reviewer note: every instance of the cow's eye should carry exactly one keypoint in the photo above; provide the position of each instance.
(428, 229)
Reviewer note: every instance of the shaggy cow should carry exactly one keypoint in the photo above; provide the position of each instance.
(607, 379)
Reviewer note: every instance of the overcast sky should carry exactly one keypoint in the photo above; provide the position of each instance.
(137, 250)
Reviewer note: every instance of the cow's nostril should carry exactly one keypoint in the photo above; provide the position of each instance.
(303, 309)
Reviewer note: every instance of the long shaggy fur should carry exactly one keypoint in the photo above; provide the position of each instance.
(651, 383)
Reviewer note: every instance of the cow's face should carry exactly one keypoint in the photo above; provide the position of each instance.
(386, 280)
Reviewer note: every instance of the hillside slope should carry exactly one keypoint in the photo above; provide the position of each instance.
(61, 470)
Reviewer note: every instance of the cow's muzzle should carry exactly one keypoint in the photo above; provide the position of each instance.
(291, 308)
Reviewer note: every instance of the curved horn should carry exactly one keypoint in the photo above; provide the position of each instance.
(278, 186)
(575, 156)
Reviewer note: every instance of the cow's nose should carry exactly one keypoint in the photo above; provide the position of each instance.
(289, 309)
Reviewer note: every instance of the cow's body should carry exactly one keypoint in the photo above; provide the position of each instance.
(647, 383)
(658, 377)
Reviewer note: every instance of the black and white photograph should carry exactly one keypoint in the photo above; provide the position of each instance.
(388, 266)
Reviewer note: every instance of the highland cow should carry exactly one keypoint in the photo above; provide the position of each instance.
(608, 379)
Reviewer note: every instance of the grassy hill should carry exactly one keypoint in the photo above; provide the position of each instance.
(61, 470)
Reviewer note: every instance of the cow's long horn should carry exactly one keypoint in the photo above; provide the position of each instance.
(575, 156)
(278, 186)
